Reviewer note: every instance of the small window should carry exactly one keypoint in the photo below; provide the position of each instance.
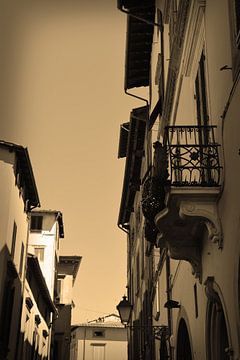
(14, 235)
(39, 252)
(36, 223)
(98, 333)
(195, 299)
(21, 260)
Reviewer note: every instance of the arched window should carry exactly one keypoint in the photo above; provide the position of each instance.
(216, 328)
(184, 351)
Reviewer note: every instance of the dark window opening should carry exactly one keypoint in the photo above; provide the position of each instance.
(195, 300)
(98, 333)
(217, 336)
(184, 351)
(21, 260)
(14, 236)
(36, 223)
(201, 94)
(6, 316)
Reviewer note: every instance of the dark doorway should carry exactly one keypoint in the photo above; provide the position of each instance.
(184, 351)
(217, 336)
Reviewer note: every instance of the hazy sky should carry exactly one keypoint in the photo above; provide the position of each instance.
(62, 73)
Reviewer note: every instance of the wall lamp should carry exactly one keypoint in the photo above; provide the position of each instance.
(121, 8)
(125, 309)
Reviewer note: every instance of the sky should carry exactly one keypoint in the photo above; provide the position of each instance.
(62, 76)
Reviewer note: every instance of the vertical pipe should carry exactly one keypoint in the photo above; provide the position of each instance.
(169, 296)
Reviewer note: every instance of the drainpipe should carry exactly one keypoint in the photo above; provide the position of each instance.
(169, 293)
(136, 96)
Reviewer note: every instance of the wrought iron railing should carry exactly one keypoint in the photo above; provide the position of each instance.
(193, 155)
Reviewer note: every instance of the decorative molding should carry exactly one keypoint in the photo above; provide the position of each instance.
(183, 224)
(207, 212)
(195, 35)
(210, 292)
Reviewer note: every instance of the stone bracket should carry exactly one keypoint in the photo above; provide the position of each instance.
(206, 212)
(181, 224)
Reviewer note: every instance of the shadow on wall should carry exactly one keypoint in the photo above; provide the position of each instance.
(10, 307)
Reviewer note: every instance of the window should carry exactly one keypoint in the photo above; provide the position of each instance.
(39, 252)
(36, 223)
(21, 260)
(14, 236)
(217, 336)
(98, 333)
(137, 268)
(6, 316)
(195, 300)
(200, 93)
(235, 34)
(157, 297)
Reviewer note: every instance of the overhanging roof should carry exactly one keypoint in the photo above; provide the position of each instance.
(59, 218)
(135, 148)
(131, 4)
(138, 44)
(72, 263)
(25, 168)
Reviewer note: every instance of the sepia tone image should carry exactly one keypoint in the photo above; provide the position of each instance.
(119, 167)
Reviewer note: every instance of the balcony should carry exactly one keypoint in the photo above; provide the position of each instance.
(182, 198)
(193, 156)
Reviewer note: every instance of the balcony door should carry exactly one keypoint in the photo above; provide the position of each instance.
(203, 120)
(201, 94)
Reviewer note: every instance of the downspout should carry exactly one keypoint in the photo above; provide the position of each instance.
(169, 311)
(136, 96)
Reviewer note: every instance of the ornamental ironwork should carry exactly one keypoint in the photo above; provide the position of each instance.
(153, 195)
(193, 155)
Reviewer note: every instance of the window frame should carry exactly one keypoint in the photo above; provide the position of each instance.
(38, 219)
(235, 38)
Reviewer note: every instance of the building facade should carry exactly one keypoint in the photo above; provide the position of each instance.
(38, 311)
(101, 339)
(18, 196)
(46, 232)
(180, 198)
(67, 270)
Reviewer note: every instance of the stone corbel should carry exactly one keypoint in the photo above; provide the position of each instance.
(207, 213)
(182, 224)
